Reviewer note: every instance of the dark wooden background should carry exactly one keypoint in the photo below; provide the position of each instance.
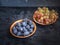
(12, 10)
(32, 3)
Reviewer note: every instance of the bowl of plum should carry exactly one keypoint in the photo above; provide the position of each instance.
(23, 28)
(45, 16)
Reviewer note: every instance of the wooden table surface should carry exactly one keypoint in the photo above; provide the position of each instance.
(45, 35)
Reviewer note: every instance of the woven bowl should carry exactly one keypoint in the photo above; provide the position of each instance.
(19, 21)
(46, 24)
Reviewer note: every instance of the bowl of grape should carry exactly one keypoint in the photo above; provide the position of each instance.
(23, 28)
(45, 16)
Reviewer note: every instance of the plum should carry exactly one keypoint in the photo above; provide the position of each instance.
(25, 20)
(18, 24)
(16, 27)
(28, 26)
(32, 26)
(14, 30)
(19, 33)
(20, 28)
(30, 23)
(24, 23)
(26, 33)
(30, 30)
(24, 29)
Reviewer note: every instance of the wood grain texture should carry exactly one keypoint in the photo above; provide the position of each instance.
(32, 3)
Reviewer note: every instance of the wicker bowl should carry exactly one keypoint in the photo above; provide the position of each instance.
(46, 24)
(19, 21)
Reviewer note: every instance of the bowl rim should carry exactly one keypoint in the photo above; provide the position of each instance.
(21, 36)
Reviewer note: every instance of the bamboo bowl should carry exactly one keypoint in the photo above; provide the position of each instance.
(19, 21)
(46, 24)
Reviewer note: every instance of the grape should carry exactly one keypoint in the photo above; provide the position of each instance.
(19, 33)
(26, 33)
(14, 30)
(24, 23)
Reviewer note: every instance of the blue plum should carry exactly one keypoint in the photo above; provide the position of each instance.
(30, 30)
(28, 26)
(24, 23)
(26, 33)
(16, 27)
(30, 22)
(24, 29)
(32, 26)
(20, 28)
(19, 33)
(14, 30)
(18, 24)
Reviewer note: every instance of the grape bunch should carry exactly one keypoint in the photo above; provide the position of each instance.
(23, 28)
